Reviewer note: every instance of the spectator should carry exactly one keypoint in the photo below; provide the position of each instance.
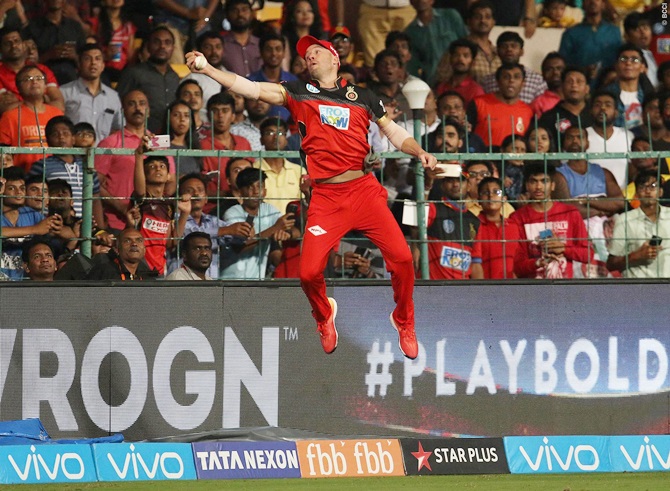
(249, 129)
(209, 44)
(37, 194)
(283, 177)
(593, 43)
(221, 107)
(376, 19)
(125, 261)
(32, 53)
(637, 30)
(23, 126)
(664, 77)
(84, 135)
(273, 50)
(152, 212)
(38, 258)
(350, 60)
(629, 88)
(302, 19)
(19, 222)
(503, 112)
(186, 18)
(232, 197)
(481, 20)
(572, 109)
(88, 99)
(356, 256)
(190, 92)
(638, 165)
(116, 35)
(510, 50)
(241, 53)
(155, 77)
(219, 232)
(553, 15)
(452, 105)
(400, 43)
(388, 69)
(512, 170)
(552, 233)
(431, 33)
(183, 137)
(461, 55)
(12, 14)
(476, 172)
(451, 233)
(553, 66)
(58, 37)
(324, 6)
(605, 137)
(539, 141)
(60, 133)
(14, 58)
(115, 171)
(60, 203)
(197, 258)
(652, 127)
(268, 223)
(497, 237)
(635, 248)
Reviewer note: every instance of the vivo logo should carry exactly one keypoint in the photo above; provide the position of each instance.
(585, 457)
(646, 450)
(68, 465)
(165, 461)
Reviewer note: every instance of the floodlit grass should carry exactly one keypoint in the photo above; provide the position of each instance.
(558, 482)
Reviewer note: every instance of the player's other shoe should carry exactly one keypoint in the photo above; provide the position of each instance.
(327, 330)
(406, 339)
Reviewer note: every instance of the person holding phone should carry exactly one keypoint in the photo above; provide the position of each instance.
(334, 117)
(637, 245)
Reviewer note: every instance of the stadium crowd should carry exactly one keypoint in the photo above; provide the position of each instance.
(111, 74)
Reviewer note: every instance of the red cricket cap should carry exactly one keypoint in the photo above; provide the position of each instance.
(307, 41)
(339, 31)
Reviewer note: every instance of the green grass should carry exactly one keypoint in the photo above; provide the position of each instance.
(558, 482)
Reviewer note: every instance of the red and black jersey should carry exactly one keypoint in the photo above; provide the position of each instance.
(155, 222)
(333, 124)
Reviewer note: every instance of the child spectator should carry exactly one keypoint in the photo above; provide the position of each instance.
(84, 135)
(37, 194)
(152, 213)
(553, 15)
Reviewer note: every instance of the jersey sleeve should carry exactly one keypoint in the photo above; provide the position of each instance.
(376, 106)
(291, 102)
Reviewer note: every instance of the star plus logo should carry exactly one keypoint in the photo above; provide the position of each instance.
(422, 458)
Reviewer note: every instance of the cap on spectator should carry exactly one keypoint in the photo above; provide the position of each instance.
(635, 20)
(509, 36)
(339, 31)
(307, 41)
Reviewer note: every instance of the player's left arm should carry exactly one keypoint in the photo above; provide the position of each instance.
(399, 137)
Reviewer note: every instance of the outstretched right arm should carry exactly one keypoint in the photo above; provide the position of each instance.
(271, 93)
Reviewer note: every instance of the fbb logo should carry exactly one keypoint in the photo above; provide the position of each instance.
(350, 458)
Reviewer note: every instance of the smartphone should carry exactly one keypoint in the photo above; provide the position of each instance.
(292, 208)
(363, 252)
(250, 220)
(655, 241)
(159, 141)
(546, 234)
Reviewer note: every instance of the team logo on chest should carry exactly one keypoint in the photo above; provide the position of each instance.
(351, 94)
(335, 116)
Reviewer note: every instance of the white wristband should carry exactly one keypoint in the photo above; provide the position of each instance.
(246, 88)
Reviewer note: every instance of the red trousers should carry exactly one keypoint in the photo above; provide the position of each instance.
(334, 210)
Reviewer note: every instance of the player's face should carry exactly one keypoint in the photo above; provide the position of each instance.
(539, 187)
(198, 254)
(320, 61)
(222, 118)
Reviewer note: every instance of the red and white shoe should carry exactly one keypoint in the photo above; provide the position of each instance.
(327, 330)
(406, 339)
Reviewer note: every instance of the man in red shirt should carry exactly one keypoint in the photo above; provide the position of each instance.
(333, 117)
(552, 233)
(461, 54)
(503, 111)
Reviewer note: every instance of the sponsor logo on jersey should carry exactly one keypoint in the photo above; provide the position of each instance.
(157, 226)
(454, 258)
(335, 116)
(316, 230)
(312, 89)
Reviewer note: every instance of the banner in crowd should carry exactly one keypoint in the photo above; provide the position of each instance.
(494, 360)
